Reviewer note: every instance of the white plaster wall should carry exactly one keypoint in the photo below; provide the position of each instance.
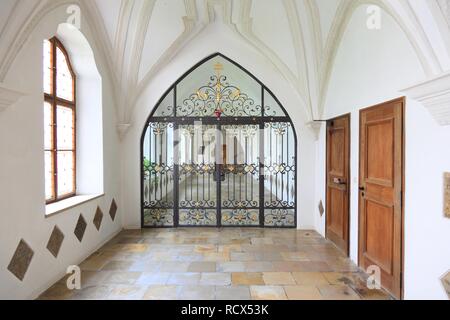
(214, 39)
(22, 204)
(372, 67)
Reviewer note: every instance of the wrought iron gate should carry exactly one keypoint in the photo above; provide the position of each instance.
(218, 154)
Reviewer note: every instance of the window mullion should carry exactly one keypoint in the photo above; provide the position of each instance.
(55, 123)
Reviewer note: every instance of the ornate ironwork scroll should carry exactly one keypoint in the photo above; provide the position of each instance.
(219, 94)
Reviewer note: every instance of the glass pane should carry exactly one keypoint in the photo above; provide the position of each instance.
(197, 160)
(48, 126)
(165, 108)
(64, 81)
(240, 174)
(271, 107)
(65, 172)
(218, 85)
(279, 165)
(48, 158)
(65, 132)
(47, 65)
(158, 166)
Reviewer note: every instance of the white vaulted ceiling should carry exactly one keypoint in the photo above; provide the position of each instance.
(300, 38)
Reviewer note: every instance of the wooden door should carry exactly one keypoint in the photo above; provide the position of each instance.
(381, 192)
(338, 182)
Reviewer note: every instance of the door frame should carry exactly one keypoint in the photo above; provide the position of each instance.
(401, 100)
(349, 184)
(257, 119)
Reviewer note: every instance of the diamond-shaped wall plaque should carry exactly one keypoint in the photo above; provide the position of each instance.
(55, 241)
(446, 283)
(113, 210)
(321, 208)
(21, 260)
(98, 218)
(80, 228)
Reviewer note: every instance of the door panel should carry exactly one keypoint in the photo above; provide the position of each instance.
(381, 187)
(197, 175)
(240, 174)
(158, 177)
(338, 177)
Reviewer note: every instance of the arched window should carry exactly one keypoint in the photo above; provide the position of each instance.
(59, 123)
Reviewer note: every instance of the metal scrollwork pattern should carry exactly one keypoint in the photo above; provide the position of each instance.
(279, 218)
(158, 217)
(198, 217)
(240, 217)
(219, 94)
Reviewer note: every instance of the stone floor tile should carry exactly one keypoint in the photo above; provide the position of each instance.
(294, 256)
(153, 278)
(197, 293)
(287, 266)
(310, 278)
(278, 278)
(145, 266)
(161, 293)
(215, 279)
(313, 266)
(184, 278)
(338, 292)
(233, 293)
(117, 266)
(58, 291)
(268, 293)
(259, 266)
(203, 266)
(302, 293)
(123, 292)
(122, 277)
(242, 256)
(247, 279)
(205, 248)
(100, 292)
(261, 241)
(174, 266)
(231, 266)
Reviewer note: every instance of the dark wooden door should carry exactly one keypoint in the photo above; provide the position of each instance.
(338, 182)
(381, 192)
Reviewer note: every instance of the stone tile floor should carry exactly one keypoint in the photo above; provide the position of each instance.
(222, 264)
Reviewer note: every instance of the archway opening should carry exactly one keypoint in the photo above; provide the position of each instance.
(218, 150)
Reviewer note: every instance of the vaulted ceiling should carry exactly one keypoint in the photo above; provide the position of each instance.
(299, 38)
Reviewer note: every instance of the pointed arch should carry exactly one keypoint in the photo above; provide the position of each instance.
(193, 173)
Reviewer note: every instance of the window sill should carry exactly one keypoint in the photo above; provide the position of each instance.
(63, 205)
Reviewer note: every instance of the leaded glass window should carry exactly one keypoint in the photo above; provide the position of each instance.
(59, 122)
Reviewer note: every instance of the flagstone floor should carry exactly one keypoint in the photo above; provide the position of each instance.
(221, 264)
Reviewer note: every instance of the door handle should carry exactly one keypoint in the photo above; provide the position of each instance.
(363, 191)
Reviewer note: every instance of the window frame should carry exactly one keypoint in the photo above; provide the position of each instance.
(54, 101)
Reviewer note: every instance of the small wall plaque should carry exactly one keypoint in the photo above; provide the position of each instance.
(447, 194)
(321, 208)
